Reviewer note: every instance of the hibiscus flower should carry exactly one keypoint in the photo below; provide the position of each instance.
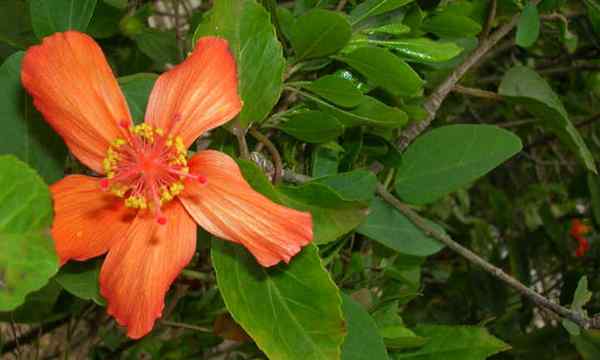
(143, 208)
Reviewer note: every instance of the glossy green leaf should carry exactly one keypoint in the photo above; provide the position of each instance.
(389, 227)
(448, 24)
(313, 127)
(336, 90)
(81, 279)
(357, 185)
(160, 46)
(522, 85)
(450, 157)
(247, 26)
(389, 29)
(136, 89)
(363, 341)
(318, 33)
(374, 7)
(369, 111)
(25, 134)
(424, 49)
(27, 256)
(455, 343)
(291, 311)
(48, 17)
(384, 69)
(528, 28)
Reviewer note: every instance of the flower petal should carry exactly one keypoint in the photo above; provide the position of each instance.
(139, 270)
(76, 91)
(228, 207)
(87, 221)
(197, 95)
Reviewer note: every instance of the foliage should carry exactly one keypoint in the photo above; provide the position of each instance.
(333, 86)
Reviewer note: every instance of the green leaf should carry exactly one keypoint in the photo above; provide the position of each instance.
(448, 24)
(119, 4)
(81, 279)
(312, 127)
(373, 8)
(38, 306)
(449, 157)
(455, 343)
(259, 55)
(369, 111)
(333, 215)
(291, 311)
(15, 27)
(357, 185)
(336, 90)
(105, 22)
(593, 183)
(388, 29)
(160, 46)
(48, 17)
(528, 28)
(588, 344)
(363, 341)
(424, 50)
(384, 69)
(389, 227)
(25, 134)
(319, 33)
(522, 85)
(136, 89)
(27, 257)
(325, 160)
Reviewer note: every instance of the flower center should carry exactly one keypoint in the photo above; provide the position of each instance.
(147, 168)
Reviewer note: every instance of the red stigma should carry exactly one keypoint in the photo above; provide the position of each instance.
(104, 183)
(161, 220)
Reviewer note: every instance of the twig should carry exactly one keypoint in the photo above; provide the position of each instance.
(420, 223)
(240, 134)
(274, 153)
(477, 93)
(489, 22)
(32, 334)
(340, 6)
(549, 138)
(477, 260)
(186, 326)
(434, 101)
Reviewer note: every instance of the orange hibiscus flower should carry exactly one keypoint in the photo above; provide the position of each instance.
(144, 209)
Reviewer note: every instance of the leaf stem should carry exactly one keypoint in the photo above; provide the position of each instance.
(277, 162)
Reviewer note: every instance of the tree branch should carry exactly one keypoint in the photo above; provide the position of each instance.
(470, 256)
(434, 101)
(489, 95)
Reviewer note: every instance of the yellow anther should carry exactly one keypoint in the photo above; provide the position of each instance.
(136, 202)
(159, 131)
(176, 188)
(118, 142)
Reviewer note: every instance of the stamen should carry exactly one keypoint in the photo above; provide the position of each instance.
(146, 168)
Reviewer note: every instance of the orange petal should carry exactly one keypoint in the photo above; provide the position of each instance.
(76, 91)
(198, 94)
(228, 207)
(139, 270)
(87, 221)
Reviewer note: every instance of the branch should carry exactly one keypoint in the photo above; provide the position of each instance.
(436, 98)
(490, 95)
(277, 162)
(550, 138)
(532, 295)
(470, 256)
